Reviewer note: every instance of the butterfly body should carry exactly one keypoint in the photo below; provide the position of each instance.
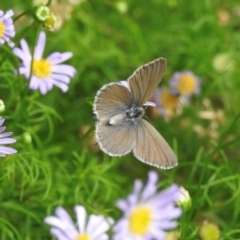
(120, 128)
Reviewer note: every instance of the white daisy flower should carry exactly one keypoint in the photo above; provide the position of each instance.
(6, 28)
(4, 139)
(147, 214)
(63, 228)
(185, 83)
(46, 72)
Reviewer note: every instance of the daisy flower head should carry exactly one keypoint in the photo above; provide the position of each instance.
(46, 72)
(63, 227)
(168, 103)
(147, 213)
(4, 139)
(185, 83)
(6, 27)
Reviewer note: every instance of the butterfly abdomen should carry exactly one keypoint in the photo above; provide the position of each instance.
(117, 118)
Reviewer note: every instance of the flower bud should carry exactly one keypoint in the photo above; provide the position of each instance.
(2, 106)
(50, 22)
(42, 13)
(184, 200)
(209, 231)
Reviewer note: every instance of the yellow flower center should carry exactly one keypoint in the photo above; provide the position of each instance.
(187, 84)
(139, 220)
(83, 236)
(42, 68)
(2, 29)
(168, 100)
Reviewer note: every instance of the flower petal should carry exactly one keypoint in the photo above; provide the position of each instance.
(38, 50)
(81, 218)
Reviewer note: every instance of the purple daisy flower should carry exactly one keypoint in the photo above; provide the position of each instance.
(5, 140)
(147, 213)
(185, 83)
(46, 72)
(167, 102)
(63, 228)
(6, 28)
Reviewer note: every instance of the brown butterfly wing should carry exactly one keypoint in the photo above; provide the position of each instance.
(145, 79)
(151, 147)
(116, 140)
(111, 100)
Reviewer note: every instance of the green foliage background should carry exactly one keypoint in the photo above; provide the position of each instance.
(58, 167)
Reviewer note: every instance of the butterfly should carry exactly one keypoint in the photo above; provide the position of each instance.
(120, 127)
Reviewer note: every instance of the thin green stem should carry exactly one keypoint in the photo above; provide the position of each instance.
(22, 14)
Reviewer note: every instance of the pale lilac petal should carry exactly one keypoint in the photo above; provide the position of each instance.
(56, 58)
(122, 205)
(7, 134)
(59, 234)
(61, 78)
(10, 43)
(18, 52)
(152, 104)
(151, 187)
(64, 69)
(158, 234)
(97, 225)
(1, 121)
(138, 185)
(81, 218)
(9, 13)
(34, 84)
(24, 71)
(62, 214)
(125, 84)
(2, 129)
(43, 88)
(61, 85)
(161, 205)
(38, 50)
(66, 227)
(7, 150)
(26, 51)
(7, 141)
(166, 225)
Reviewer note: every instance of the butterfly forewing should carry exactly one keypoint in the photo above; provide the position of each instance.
(145, 79)
(111, 100)
(151, 147)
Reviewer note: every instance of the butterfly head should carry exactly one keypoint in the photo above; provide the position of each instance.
(135, 112)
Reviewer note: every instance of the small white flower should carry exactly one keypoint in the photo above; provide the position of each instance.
(185, 83)
(45, 72)
(6, 28)
(63, 228)
(147, 213)
(5, 140)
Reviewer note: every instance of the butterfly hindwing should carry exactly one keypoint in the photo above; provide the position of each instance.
(152, 148)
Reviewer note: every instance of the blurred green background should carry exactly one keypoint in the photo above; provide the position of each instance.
(109, 40)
